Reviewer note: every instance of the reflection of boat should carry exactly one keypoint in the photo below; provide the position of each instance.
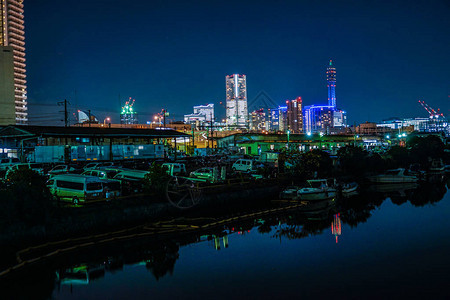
(393, 188)
(447, 168)
(81, 274)
(348, 188)
(437, 166)
(393, 176)
(317, 210)
(289, 193)
(318, 190)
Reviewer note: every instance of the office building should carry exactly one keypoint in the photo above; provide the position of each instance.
(236, 95)
(203, 116)
(294, 115)
(339, 119)
(318, 118)
(12, 34)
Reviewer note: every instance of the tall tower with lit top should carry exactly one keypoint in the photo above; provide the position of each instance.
(331, 84)
(12, 37)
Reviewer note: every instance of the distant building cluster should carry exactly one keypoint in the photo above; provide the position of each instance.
(293, 117)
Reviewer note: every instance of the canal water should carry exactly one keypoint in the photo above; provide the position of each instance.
(386, 242)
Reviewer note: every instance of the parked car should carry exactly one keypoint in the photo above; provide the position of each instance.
(244, 165)
(132, 181)
(112, 188)
(35, 167)
(203, 173)
(6, 162)
(174, 169)
(75, 188)
(92, 165)
(63, 169)
(100, 173)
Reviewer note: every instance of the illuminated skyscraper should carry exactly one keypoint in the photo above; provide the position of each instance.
(318, 118)
(331, 84)
(236, 92)
(294, 115)
(12, 34)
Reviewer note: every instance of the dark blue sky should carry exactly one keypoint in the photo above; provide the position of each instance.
(175, 54)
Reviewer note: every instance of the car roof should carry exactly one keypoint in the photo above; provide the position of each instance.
(75, 176)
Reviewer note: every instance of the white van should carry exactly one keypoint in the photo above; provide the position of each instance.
(243, 165)
(75, 188)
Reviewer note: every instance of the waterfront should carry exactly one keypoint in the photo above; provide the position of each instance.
(391, 244)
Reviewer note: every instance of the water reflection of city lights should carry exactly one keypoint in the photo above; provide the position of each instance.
(336, 229)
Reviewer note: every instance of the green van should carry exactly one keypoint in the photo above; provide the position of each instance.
(75, 188)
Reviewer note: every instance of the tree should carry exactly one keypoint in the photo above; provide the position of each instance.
(315, 162)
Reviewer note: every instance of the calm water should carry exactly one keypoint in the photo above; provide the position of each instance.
(388, 243)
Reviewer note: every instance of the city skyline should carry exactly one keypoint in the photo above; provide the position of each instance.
(390, 62)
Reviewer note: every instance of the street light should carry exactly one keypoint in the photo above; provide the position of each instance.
(106, 119)
(288, 137)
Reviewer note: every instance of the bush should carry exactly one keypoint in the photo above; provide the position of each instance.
(157, 179)
(26, 197)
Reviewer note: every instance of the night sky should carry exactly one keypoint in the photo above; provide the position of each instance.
(175, 54)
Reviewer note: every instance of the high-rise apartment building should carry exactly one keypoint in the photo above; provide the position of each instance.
(12, 35)
(258, 121)
(236, 93)
(331, 84)
(294, 115)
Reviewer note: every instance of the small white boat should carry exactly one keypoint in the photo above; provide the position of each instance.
(289, 193)
(393, 176)
(318, 190)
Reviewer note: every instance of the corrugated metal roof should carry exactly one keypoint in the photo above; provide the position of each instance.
(58, 131)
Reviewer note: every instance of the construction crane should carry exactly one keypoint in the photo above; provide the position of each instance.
(438, 122)
(431, 111)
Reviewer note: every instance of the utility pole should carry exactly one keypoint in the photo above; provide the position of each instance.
(66, 113)
(89, 111)
(164, 117)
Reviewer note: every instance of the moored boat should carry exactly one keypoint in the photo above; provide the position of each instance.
(289, 193)
(393, 176)
(318, 190)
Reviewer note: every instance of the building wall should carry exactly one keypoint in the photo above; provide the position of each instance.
(7, 105)
(12, 34)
